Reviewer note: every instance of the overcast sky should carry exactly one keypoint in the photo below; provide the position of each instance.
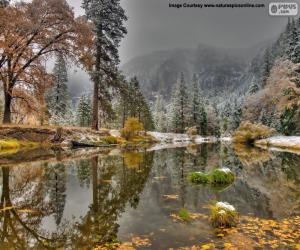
(152, 25)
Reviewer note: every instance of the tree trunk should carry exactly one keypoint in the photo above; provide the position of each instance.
(7, 111)
(95, 161)
(97, 79)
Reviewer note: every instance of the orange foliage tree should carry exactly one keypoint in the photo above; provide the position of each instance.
(31, 33)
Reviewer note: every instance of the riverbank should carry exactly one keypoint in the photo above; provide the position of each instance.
(15, 137)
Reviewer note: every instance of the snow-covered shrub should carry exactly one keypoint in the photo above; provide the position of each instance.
(224, 215)
(198, 178)
(219, 176)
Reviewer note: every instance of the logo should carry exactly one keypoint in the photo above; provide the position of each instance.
(283, 9)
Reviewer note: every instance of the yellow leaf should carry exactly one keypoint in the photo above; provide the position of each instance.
(7, 208)
(206, 246)
(26, 211)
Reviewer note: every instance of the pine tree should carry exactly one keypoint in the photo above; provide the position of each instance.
(236, 116)
(292, 40)
(56, 186)
(58, 101)
(266, 67)
(203, 120)
(84, 111)
(159, 114)
(4, 3)
(195, 102)
(108, 17)
(180, 106)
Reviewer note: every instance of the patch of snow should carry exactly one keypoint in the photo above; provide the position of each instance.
(226, 139)
(225, 170)
(222, 212)
(281, 142)
(115, 133)
(180, 138)
(225, 205)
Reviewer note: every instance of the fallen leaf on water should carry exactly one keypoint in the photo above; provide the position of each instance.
(126, 246)
(107, 181)
(6, 208)
(171, 196)
(207, 246)
(141, 242)
(26, 211)
(159, 177)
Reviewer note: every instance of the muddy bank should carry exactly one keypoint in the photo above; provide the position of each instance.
(63, 136)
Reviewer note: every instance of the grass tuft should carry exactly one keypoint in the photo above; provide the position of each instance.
(222, 216)
(216, 177)
(184, 214)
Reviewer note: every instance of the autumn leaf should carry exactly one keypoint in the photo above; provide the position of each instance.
(171, 196)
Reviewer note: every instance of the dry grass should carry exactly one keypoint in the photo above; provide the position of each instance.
(15, 144)
(221, 217)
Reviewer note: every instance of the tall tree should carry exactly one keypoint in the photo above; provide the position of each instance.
(195, 102)
(84, 111)
(180, 106)
(159, 114)
(58, 100)
(108, 17)
(30, 32)
(4, 3)
(266, 67)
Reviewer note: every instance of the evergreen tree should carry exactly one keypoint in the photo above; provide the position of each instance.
(108, 17)
(236, 116)
(4, 3)
(180, 106)
(195, 102)
(159, 114)
(203, 121)
(266, 67)
(58, 101)
(56, 186)
(84, 111)
(292, 40)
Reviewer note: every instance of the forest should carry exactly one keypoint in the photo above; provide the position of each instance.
(187, 149)
(34, 94)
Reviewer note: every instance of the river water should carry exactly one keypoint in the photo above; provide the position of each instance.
(133, 197)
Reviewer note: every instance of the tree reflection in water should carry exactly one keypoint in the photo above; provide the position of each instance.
(30, 194)
(34, 199)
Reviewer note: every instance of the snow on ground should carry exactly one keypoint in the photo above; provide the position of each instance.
(179, 138)
(290, 142)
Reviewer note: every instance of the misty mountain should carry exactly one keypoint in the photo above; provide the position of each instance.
(221, 71)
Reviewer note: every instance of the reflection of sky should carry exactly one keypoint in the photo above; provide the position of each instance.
(252, 194)
(78, 201)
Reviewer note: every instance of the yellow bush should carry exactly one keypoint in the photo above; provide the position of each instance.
(132, 128)
(192, 131)
(15, 144)
(110, 140)
(250, 132)
(9, 144)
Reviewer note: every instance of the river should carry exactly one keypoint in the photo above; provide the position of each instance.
(133, 197)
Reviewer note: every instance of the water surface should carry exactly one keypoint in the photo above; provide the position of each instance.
(118, 196)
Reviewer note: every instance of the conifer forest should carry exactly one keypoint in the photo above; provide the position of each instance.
(111, 142)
